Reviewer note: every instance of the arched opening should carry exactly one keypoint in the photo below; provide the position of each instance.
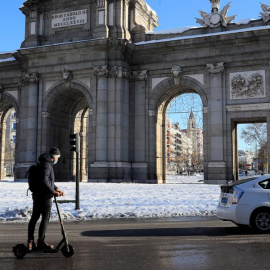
(185, 135)
(8, 144)
(164, 97)
(8, 127)
(67, 113)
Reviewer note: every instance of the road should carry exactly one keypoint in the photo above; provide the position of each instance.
(156, 244)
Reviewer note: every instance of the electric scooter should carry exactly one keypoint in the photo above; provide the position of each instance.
(67, 249)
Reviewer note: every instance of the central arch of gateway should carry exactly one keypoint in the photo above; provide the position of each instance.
(106, 67)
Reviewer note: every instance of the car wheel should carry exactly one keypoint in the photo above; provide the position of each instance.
(261, 221)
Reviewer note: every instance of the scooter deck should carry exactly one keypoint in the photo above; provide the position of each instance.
(43, 251)
(53, 250)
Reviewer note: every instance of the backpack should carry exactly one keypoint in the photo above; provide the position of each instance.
(33, 178)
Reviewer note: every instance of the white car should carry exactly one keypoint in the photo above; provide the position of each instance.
(246, 202)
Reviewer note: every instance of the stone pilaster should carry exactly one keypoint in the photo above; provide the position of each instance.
(27, 146)
(216, 164)
(139, 166)
(101, 30)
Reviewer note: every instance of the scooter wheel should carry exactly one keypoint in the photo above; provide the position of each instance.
(20, 251)
(67, 252)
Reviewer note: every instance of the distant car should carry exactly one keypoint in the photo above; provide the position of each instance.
(247, 202)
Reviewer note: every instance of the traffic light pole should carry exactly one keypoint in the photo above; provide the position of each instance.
(77, 207)
(75, 146)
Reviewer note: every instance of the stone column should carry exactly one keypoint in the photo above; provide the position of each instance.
(98, 170)
(28, 123)
(216, 163)
(102, 115)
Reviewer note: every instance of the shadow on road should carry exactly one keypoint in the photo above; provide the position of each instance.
(196, 231)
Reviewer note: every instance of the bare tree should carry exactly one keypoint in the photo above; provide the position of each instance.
(255, 133)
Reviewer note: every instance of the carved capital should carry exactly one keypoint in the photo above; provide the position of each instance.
(112, 72)
(125, 73)
(67, 75)
(45, 114)
(139, 75)
(215, 68)
(30, 78)
(100, 71)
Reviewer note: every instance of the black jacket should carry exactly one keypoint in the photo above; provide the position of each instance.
(46, 177)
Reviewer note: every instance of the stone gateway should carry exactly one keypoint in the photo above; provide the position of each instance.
(97, 67)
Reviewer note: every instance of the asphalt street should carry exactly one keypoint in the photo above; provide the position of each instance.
(156, 244)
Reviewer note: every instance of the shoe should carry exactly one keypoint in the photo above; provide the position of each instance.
(31, 245)
(41, 244)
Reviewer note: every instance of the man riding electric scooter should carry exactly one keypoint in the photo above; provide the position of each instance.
(42, 199)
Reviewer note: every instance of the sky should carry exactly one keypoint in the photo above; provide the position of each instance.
(171, 13)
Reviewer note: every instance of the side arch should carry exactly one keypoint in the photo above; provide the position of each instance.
(162, 95)
(59, 110)
(7, 103)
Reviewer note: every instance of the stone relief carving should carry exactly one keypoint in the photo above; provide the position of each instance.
(215, 68)
(67, 75)
(30, 78)
(247, 85)
(266, 12)
(215, 18)
(176, 71)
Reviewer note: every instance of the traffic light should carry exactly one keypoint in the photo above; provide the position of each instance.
(74, 142)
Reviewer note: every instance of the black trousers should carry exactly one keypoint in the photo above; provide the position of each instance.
(41, 207)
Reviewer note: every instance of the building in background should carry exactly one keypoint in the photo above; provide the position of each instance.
(184, 147)
(9, 143)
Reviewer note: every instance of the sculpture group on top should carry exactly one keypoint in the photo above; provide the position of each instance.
(266, 12)
(215, 18)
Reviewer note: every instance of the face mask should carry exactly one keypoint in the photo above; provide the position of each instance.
(55, 162)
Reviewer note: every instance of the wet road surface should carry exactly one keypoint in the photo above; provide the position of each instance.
(156, 244)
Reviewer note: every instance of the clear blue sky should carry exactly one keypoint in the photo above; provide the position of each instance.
(171, 13)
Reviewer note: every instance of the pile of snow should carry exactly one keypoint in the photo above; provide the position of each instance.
(182, 196)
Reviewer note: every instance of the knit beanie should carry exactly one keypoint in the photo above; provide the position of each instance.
(54, 152)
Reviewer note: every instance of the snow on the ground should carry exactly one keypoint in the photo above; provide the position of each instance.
(181, 196)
